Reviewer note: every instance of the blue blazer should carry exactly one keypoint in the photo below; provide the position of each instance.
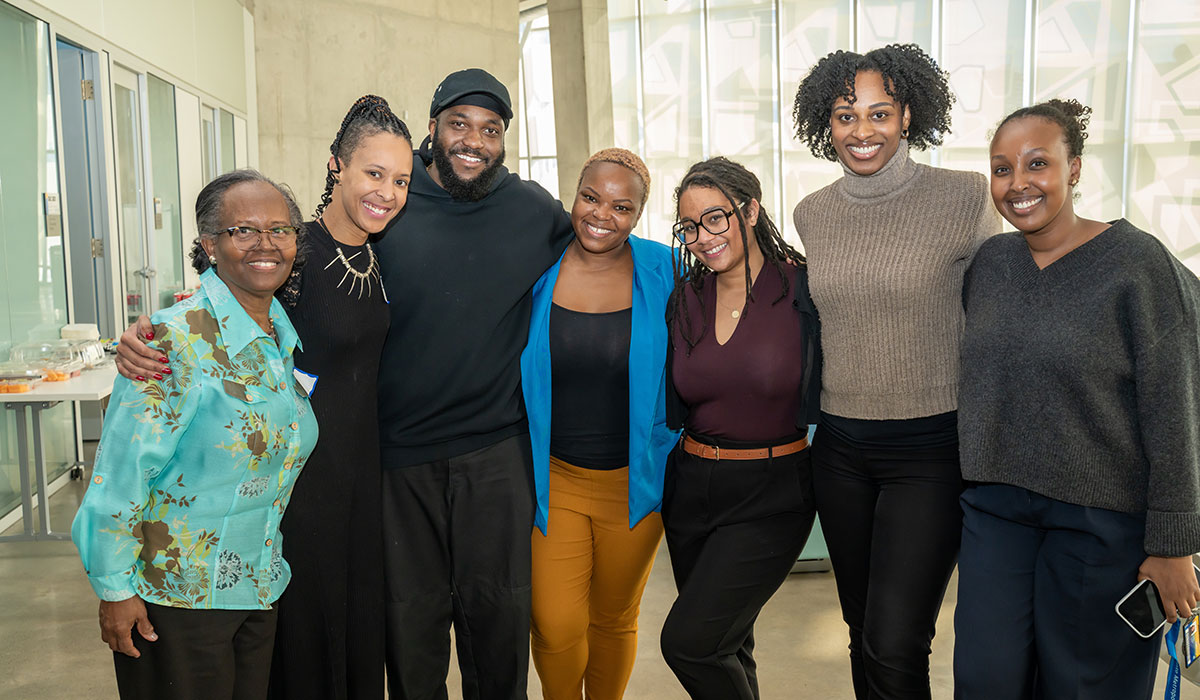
(650, 441)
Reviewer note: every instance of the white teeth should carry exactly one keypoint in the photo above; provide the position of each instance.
(374, 209)
(469, 159)
(716, 251)
(599, 231)
(865, 150)
(264, 265)
(1022, 206)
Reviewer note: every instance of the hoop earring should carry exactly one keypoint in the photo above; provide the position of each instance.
(904, 134)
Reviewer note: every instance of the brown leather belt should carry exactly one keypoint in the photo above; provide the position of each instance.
(699, 449)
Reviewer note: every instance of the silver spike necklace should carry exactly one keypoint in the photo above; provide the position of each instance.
(362, 279)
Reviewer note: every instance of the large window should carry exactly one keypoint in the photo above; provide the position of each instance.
(695, 78)
(537, 158)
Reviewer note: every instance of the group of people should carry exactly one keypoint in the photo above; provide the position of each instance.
(516, 403)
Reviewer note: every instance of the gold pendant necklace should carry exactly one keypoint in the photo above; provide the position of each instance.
(733, 313)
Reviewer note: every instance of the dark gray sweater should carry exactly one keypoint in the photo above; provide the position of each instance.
(1081, 382)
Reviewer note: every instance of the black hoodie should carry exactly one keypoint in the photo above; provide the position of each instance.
(458, 277)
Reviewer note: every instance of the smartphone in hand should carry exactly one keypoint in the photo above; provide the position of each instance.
(1142, 607)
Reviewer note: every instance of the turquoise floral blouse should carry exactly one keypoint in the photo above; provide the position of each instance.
(193, 473)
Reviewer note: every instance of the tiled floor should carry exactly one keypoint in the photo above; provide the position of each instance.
(50, 646)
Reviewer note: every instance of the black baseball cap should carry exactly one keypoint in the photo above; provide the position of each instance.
(472, 86)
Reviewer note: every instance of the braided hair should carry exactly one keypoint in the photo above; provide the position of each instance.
(910, 76)
(739, 186)
(369, 115)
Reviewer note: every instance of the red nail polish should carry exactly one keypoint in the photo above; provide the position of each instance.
(140, 378)
(162, 360)
(150, 335)
(157, 375)
(166, 371)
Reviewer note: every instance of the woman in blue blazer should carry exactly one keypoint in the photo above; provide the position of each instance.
(594, 385)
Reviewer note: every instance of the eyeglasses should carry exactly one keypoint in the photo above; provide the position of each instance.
(715, 221)
(246, 238)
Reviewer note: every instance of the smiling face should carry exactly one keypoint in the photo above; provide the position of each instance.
(1031, 174)
(468, 147)
(252, 274)
(720, 252)
(373, 184)
(866, 134)
(606, 207)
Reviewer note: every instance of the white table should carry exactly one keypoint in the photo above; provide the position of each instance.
(92, 385)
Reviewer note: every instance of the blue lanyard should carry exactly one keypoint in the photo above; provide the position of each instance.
(1173, 673)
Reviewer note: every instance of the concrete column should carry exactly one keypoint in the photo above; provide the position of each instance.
(583, 112)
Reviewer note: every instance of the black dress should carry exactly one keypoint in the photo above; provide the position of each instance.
(329, 642)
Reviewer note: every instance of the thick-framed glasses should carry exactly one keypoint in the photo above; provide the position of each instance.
(246, 238)
(715, 221)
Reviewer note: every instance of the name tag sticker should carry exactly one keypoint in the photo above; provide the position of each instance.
(307, 381)
(1191, 640)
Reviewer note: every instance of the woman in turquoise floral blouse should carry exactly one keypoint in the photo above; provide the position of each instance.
(179, 529)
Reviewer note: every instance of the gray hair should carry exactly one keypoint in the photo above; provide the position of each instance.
(211, 201)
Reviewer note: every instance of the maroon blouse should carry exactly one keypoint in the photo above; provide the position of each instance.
(747, 390)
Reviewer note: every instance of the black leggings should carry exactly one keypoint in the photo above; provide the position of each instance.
(734, 530)
(892, 522)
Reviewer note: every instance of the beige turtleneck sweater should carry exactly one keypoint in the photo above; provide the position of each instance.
(886, 257)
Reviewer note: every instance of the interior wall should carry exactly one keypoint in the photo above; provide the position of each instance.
(314, 58)
(198, 41)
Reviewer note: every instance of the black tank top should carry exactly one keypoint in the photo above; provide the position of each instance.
(589, 367)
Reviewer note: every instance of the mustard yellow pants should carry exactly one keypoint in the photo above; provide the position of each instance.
(589, 572)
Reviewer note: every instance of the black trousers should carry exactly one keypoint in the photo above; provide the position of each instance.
(199, 655)
(1037, 583)
(734, 530)
(457, 551)
(892, 523)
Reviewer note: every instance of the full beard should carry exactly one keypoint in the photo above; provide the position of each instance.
(462, 190)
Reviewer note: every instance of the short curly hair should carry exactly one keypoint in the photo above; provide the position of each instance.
(625, 158)
(1071, 116)
(910, 76)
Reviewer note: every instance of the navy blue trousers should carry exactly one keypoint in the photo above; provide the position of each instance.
(1038, 580)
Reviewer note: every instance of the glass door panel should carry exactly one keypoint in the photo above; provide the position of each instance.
(164, 179)
(208, 143)
(84, 202)
(225, 131)
(127, 126)
(33, 288)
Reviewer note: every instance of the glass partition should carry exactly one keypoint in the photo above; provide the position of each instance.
(225, 131)
(696, 78)
(983, 50)
(208, 143)
(127, 125)
(33, 289)
(1164, 169)
(165, 207)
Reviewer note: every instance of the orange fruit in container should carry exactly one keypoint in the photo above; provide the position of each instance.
(54, 375)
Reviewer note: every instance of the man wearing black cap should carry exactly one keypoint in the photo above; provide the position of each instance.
(458, 266)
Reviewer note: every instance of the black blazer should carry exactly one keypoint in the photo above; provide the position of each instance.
(810, 387)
